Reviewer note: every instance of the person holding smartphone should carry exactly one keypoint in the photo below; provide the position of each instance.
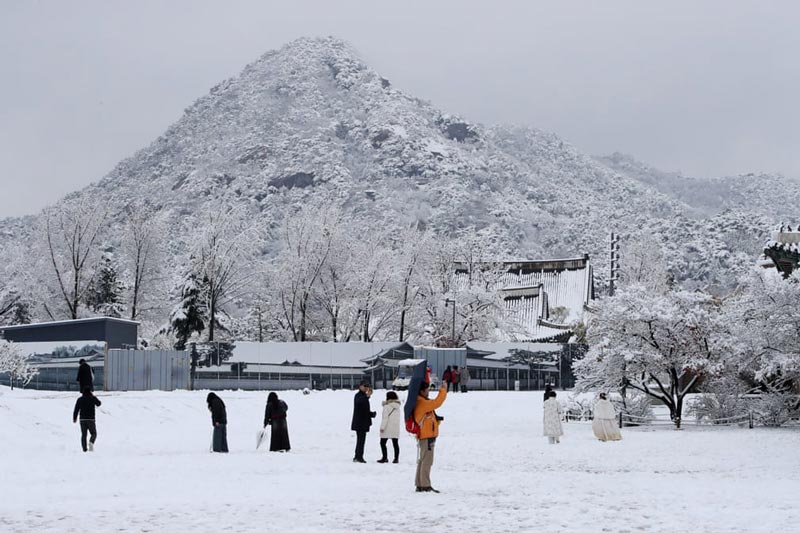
(425, 415)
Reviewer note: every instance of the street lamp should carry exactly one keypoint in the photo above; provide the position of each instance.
(447, 302)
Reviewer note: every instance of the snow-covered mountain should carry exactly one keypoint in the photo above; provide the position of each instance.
(312, 120)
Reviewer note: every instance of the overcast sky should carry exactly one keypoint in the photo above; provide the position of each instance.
(702, 87)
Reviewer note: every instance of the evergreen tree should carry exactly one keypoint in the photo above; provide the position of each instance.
(190, 315)
(105, 290)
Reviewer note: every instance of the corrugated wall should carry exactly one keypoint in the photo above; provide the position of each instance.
(129, 370)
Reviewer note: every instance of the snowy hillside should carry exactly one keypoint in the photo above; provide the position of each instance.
(311, 121)
(151, 470)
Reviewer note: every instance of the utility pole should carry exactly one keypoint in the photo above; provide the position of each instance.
(447, 302)
(614, 270)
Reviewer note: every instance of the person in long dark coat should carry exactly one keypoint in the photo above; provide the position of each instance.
(275, 416)
(219, 419)
(362, 419)
(85, 377)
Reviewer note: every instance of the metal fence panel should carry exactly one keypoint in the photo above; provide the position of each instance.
(139, 370)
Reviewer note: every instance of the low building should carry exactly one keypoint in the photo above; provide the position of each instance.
(114, 332)
(55, 348)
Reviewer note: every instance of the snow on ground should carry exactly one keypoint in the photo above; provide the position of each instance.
(152, 471)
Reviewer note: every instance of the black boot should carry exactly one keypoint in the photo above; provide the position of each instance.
(396, 459)
(383, 460)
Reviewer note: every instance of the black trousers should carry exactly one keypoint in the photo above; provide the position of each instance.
(395, 445)
(90, 427)
(361, 438)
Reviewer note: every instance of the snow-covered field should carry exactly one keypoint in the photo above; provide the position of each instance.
(152, 471)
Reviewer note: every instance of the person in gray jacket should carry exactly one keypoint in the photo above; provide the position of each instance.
(465, 377)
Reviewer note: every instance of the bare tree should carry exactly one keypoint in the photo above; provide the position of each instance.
(411, 250)
(73, 231)
(308, 239)
(143, 234)
(223, 254)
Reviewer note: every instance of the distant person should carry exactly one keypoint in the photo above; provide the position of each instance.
(425, 415)
(455, 378)
(362, 418)
(547, 390)
(85, 377)
(275, 417)
(390, 426)
(465, 377)
(219, 419)
(552, 419)
(447, 377)
(84, 407)
(604, 420)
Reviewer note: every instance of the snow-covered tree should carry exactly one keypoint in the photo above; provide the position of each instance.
(105, 292)
(411, 249)
(15, 363)
(371, 274)
(190, 316)
(765, 342)
(659, 343)
(463, 271)
(223, 252)
(72, 232)
(142, 243)
(308, 238)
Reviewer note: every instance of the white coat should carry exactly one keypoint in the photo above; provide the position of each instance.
(391, 418)
(552, 419)
(604, 421)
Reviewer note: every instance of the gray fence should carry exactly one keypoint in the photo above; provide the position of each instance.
(127, 370)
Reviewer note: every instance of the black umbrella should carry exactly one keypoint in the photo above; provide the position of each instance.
(418, 375)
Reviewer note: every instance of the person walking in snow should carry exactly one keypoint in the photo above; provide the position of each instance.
(362, 419)
(85, 377)
(455, 378)
(84, 407)
(275, 417)
(447, 377)
(552, 419)
(390, 426)
(219, 419)
(604, 420)
(425, 415)
(464, 377)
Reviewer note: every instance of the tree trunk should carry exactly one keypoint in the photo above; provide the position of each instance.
(212, 308)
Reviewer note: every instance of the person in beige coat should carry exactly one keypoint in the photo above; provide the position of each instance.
(604, 420)
(390, 426)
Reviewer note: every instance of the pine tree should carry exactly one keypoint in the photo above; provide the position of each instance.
(190, 315)
(105, 290)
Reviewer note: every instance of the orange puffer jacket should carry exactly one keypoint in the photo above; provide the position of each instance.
(423, 414)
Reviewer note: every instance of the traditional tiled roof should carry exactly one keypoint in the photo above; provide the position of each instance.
(532, 289)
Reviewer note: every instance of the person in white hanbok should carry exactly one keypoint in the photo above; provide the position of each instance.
(552, 419)
(604, 423)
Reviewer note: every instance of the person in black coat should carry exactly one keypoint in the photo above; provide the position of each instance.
(219, 419)
(85, 408)
(362, 418)
(275, 416)
(85, 377)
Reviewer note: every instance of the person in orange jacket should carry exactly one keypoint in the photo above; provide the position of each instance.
(428, 420)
